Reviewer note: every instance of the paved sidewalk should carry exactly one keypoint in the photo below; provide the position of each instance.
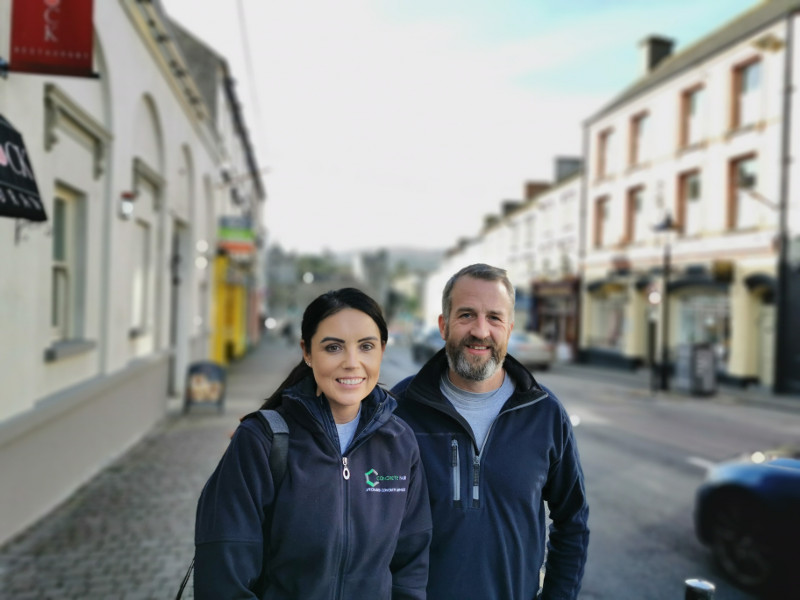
(640, 383)
(128, 533)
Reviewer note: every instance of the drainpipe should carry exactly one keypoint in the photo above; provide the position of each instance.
(782, 347)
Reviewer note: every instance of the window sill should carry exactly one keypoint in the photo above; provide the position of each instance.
(66, 348)
(693, 147)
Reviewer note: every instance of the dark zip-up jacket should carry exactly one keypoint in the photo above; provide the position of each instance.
(488, 507)
(322, 536)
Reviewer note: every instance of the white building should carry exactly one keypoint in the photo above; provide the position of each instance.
(104, 305)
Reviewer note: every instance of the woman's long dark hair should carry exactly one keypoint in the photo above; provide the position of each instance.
(320, 309)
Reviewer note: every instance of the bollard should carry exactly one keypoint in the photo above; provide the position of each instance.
(699, 589)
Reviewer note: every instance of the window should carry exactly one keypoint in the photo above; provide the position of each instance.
(604, 153)
(742, 205)
(600, 220)
(746, 85)
(141, 286)
(67, 271)
(634, 221)
(690, 219)
(692, 131)
(639, 149)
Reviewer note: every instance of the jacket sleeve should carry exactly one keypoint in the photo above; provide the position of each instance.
(565, 494)
(229, 523)
(409, 564)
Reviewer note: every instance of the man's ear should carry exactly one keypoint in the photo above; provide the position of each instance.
(441, 326)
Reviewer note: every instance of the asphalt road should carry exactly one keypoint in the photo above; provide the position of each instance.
(644, 455)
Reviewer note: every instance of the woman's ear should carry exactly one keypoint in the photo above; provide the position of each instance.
(306, 355)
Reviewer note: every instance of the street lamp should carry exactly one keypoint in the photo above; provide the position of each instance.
(667, 226)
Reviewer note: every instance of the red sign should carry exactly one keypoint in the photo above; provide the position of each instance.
(52, 37)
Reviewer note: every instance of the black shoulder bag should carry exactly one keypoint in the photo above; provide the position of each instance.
(278, 458)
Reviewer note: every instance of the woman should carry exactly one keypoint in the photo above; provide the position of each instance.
(351, 517)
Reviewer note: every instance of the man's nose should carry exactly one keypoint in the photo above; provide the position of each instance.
(480, 327)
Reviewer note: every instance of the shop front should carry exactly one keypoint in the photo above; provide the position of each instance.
(554, 315)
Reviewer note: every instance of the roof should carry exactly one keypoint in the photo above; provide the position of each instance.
(746, 24)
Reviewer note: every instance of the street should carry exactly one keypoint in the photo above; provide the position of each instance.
(643, 457)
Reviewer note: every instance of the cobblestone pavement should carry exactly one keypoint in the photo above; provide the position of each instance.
(128, 533)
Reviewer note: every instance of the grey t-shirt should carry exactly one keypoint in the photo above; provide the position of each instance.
(479, 410)
(346, 431)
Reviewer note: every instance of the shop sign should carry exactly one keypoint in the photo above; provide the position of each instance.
(52, 37)
(19, 194)
(235, 235)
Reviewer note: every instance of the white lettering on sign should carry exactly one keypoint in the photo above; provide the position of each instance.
(51, 14)
(17, 159)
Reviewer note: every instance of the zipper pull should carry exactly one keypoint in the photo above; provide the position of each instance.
(453, 453)
(345, 471)
(476, 472)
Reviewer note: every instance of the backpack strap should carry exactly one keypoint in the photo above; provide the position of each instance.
(278, 459)
(279, 454)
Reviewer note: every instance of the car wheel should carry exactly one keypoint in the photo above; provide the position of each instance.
(739, 541)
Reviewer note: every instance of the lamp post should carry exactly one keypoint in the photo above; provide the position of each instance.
(667, 226)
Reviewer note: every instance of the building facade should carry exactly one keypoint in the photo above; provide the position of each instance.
(685, 197)
(104, 305)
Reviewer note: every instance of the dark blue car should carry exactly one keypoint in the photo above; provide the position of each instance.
(748, 513)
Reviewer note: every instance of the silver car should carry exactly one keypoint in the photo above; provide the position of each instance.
(531, 350)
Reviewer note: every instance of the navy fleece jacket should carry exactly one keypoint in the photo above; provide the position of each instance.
(322, 536)
(489, 507)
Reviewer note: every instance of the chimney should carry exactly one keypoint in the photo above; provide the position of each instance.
(510, 206)
(534, 188)
(654, 50)
(566, 166)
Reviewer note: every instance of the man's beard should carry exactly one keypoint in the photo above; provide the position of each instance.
(459, 362)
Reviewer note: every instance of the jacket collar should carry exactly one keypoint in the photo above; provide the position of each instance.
(314, 411)
(425, 385)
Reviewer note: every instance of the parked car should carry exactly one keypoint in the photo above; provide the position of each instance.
(426, 345)
(531, 349)
(748, 512)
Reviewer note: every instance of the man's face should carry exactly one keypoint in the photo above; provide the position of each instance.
(477, 330)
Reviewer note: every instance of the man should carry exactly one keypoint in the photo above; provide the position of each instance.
(496, 445)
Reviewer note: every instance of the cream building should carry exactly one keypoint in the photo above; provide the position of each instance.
(696, 144)
(104, 305)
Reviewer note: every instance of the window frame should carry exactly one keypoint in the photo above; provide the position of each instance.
(733, 188)
(637, 144)
(685, 140)
(737, 79)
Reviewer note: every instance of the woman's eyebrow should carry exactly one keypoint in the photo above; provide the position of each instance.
(333, 339)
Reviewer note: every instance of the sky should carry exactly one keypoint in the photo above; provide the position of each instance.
(403, 123)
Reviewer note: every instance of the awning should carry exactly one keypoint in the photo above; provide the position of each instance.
(19, 194)
(760, 281)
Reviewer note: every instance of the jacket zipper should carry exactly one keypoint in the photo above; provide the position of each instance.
(345, 530)
(456, 471)
(476, 473)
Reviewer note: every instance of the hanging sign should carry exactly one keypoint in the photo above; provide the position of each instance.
(52, 37)
(19, 194)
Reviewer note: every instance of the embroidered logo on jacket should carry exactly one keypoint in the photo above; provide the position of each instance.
(375, 479)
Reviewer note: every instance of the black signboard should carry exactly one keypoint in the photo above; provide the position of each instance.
(19, 194)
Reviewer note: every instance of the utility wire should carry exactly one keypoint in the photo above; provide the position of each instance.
(248, 59)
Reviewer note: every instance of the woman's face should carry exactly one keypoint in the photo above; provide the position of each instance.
(345, 355)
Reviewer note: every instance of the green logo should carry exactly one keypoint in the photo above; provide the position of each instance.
(369, 482)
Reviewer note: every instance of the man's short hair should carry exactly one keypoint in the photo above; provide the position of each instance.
(477, 271)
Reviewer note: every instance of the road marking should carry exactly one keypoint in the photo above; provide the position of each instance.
(703, 463)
